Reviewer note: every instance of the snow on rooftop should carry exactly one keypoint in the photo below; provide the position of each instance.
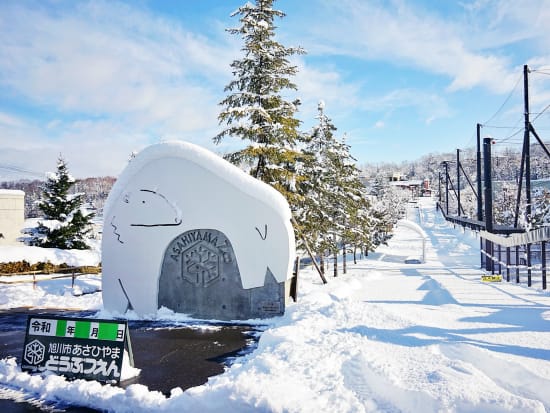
(11, 192)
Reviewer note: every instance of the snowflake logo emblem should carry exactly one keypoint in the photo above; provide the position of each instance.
(201, 265)
(34, 352)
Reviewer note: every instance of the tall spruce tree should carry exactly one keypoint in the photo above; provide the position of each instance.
(255, 110)
(354, 215)
(65, 225)
(334, 209)
(315, 216)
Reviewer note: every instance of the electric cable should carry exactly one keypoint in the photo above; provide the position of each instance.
(19, 169)
(505, 101)
(540, 113)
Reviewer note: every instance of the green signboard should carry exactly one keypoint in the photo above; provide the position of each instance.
(76, 348)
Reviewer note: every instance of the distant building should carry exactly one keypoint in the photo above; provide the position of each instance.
(396, 177)
(12, 215)
(426, 189)
(417, 187)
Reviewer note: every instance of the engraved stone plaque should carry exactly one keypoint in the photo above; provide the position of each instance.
(200, 277)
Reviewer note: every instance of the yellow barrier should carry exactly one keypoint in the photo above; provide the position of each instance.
(491, 278)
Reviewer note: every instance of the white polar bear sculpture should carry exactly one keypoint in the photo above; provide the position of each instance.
(185, 229)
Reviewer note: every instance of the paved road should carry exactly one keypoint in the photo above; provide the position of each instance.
(168, 355)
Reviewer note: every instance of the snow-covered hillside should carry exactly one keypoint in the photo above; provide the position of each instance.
(388, 337)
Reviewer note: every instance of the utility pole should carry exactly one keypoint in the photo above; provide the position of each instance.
(488, 184)
(527, 143)
(446, 163)
(458, 179)
(527, 164)
(439, 186)
(479, 188)
(489, 264)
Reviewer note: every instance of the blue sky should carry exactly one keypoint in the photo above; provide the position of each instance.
(97, 80)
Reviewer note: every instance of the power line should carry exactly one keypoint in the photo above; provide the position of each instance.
(19, 169)
(470, 141)
(511, 136)
(540, 113)
(508, 139)
(542, 72)
(500, 127)
(505, 101)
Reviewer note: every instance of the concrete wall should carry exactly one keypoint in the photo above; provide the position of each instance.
(12, 215)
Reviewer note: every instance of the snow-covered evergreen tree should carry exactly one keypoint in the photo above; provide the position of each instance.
(316, 215)
(387, 209)
(334, 208)
(540, 211)
(355, 214)
(504, 203)
(255, 110)
(65, 224)
(379, 185)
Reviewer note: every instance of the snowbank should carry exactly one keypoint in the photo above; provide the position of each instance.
(386, 337)
(33, 255)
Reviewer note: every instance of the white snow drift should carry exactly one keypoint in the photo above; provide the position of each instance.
(386, 337)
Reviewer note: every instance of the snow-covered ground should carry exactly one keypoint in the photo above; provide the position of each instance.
(33, 255)
(51, 293)
(387, 336)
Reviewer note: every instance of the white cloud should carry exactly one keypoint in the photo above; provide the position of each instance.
(92, 147)
(18, 132)
(113, 77)
(495, 23)
(325, 83)
(9, 120)
(108, 77)
(404, 33)
(347, 98)
(427, 106)
(109, 58)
